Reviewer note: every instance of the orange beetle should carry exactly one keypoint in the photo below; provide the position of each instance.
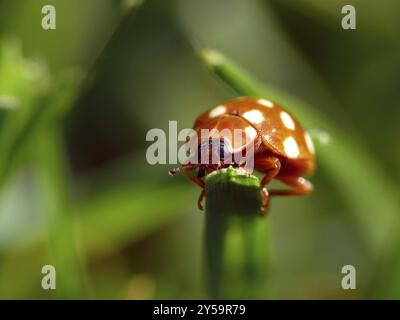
(283, 150)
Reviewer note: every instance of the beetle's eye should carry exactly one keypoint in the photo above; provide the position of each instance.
(223, 149)
(202, 147)
(209, 150)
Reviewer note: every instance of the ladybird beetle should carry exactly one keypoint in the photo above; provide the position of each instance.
(283, 150)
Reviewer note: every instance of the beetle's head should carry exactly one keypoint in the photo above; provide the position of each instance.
(212, 154)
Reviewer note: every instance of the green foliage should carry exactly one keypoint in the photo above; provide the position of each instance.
(114, 218)
(22, 83)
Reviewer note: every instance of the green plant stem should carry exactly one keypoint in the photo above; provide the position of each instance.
(230, 193)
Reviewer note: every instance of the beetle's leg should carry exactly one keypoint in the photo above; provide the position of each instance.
(299, 186)
(270, 166)
(201, 198)
(186, 171)
(188, 174)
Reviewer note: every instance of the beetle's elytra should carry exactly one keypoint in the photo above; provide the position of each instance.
(283, 150)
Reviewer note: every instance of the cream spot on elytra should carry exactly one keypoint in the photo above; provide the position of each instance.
(309, 142)
(291, 148)
(217, 111)
(251, 133)
(265, 103)
(254, 116)
(287, 120)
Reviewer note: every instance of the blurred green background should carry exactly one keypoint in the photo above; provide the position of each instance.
(76, 191)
